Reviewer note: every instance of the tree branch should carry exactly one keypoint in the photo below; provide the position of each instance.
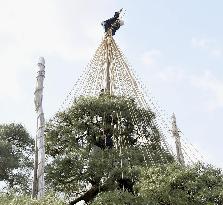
(90, 194)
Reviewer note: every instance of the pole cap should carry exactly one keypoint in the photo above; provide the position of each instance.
(41, 60)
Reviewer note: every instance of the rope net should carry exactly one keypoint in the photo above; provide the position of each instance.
(114, 129)
(122, 83)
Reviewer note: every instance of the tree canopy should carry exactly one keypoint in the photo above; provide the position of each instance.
(171, 184)
(98, 144)
(16, 149)
(13, 199)
(107, 150)
(178, 185)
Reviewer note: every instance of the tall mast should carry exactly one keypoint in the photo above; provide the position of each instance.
(110, 25)
(108, 62)
(176, 135)
(39, 161)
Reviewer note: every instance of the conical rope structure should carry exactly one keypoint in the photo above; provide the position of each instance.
(106, 129)
(109, 73)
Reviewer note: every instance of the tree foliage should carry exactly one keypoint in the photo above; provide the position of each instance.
(116, 197)
(178, 185)
(98, 144)
(97, 153)
(13, 199)
(16, 147)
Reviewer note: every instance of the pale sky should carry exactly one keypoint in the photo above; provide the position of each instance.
(175, 48)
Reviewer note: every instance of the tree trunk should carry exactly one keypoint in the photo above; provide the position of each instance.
(87, 196)
(91, 194)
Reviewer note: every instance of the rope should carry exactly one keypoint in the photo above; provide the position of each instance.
(123, 83)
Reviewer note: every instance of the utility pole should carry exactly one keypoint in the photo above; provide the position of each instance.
(39, 161)
(176, 135)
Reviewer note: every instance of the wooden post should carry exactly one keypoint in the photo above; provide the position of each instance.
(108, 62)
(39, 163)
(176, 135)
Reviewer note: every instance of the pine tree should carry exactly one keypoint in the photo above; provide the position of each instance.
(99, 144)
(16, 149)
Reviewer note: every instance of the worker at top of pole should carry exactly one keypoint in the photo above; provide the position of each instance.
(113, 23)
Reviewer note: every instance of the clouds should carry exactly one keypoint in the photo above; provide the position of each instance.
(208, 82)
(23, 36)
(201, 43)
(52, 28)
(202, 82)
(196, 95)
(171, 74)
(209, 45)
(150, 57)
(40, 26)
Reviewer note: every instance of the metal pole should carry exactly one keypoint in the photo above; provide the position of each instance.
(176, 135)
(39, 164)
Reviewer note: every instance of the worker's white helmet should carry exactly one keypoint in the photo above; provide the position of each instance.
(121, 22)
